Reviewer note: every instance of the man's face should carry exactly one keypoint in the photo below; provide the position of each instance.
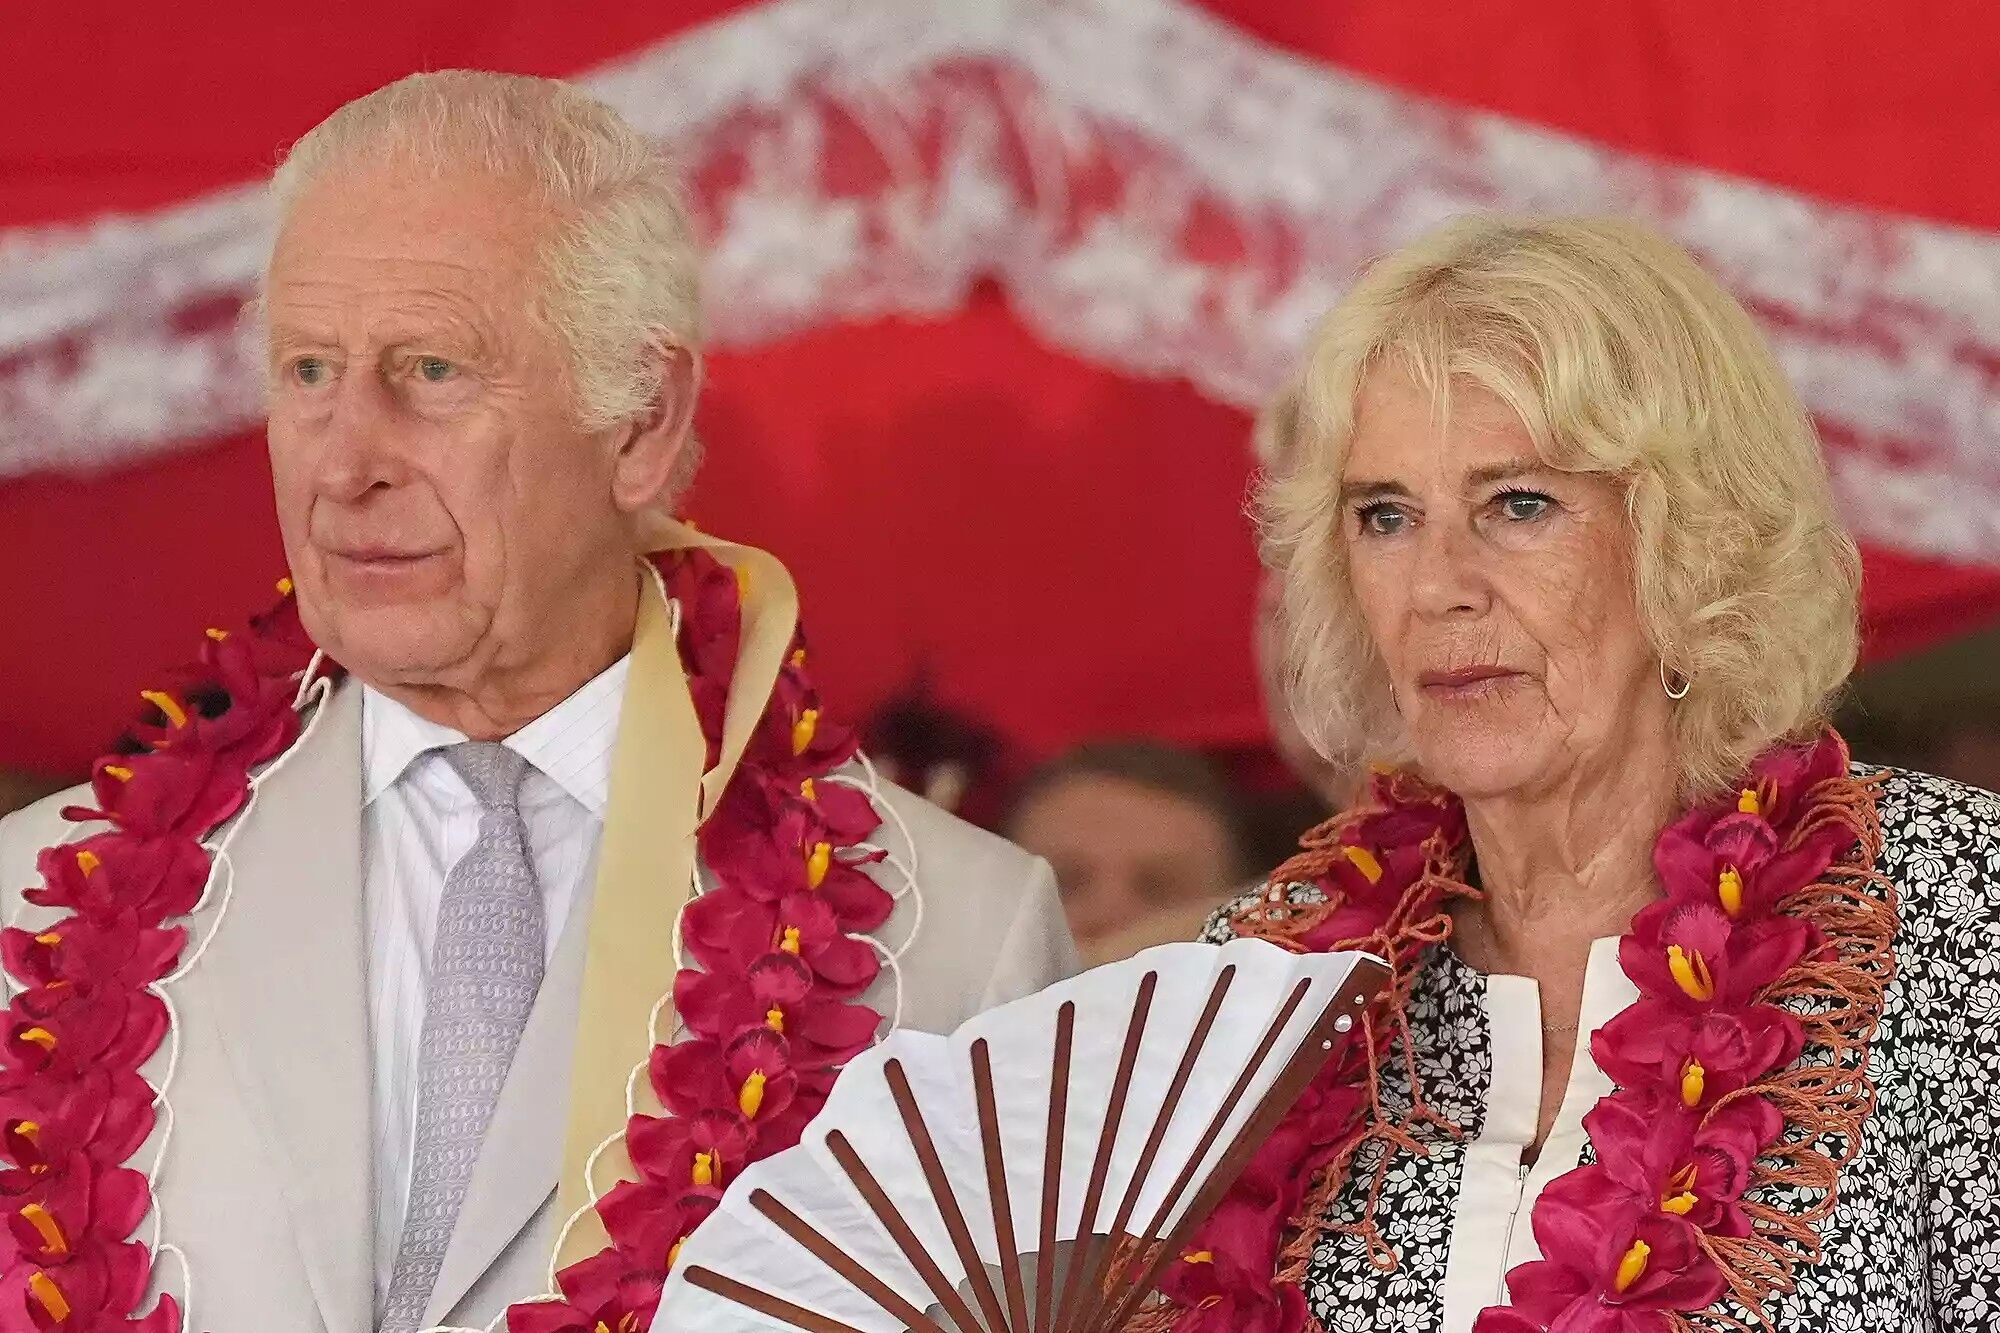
(438, 502)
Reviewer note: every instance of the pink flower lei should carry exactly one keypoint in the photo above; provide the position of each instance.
(1774, 934)
(770, 1012)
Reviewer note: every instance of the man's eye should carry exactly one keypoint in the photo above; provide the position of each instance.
(435, 368)
(1381, 519)
(309, 370)
(1523, 506)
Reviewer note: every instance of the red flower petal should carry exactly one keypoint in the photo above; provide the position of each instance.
(858, 902)
(690, 1078)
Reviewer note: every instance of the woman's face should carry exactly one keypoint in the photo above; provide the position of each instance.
(1499, 593)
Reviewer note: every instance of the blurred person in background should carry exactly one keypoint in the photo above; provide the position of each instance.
(952, 759)
(21, 789)
(1939, 729)
(1145, 839)
(1970, 752)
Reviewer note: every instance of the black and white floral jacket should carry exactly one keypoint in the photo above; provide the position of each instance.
(1914, 1243)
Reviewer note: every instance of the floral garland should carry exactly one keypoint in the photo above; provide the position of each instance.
(1774, 934)
(769, 1014)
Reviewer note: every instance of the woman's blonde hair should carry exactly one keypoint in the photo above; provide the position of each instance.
(1621, 357)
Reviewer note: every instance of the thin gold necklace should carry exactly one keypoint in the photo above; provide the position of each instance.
(1548, 1029)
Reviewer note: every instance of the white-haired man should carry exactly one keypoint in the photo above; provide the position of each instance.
(384, 1071)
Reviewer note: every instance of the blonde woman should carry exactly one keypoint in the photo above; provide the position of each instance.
(1693, 1020)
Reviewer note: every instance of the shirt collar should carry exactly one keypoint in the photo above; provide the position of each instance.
(571, 744)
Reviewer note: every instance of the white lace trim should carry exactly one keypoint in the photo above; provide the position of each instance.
(1154, 189)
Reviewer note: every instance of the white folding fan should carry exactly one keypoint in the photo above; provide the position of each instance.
(1035, 1171)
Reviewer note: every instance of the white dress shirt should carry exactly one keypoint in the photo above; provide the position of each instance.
(418, 820)
(1490, 1232)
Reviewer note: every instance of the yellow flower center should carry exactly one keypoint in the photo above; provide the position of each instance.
(750, 1097)
(88, 862)
(1729, 889)
(49, 1296)
(41, 1037)
(789, 942)
(168, 705)
(1694, 1081)
(1749, 803)
(217, 634)
(774, 1019)
(1632, 1267)
(1199, 1257)
(1364, 860)
(44, 1223)
(119, 771)
(1691, 972)
(704, 1168)
(817, 864)
(798, 657)
(284, 587)
(803, 731)
(807, 790)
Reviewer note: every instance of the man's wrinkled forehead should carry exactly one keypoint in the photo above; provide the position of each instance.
(468, 221)
(437, 249)
(384, 304)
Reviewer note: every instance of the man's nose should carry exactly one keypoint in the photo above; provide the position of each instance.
(366, 445)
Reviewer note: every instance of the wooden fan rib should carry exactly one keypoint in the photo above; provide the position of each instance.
(999, 1192)
(1084, 1258)
(1169, 1104)
(900, 1230)
(945, 1197)
(764, 1303)
(827, 1252)
(1230, 1101)
(1052, 1159)
(1359, 989)
(1362, 985)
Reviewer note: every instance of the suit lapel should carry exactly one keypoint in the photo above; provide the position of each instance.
(286, 976)
(521, 1156)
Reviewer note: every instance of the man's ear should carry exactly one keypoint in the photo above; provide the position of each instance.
(647, 468)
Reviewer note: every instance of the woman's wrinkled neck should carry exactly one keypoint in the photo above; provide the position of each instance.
(1569, 862)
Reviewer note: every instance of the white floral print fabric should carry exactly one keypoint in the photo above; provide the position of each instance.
(1914, 1243)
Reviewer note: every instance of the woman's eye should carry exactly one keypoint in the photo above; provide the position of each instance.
(309, 370)
(1382, 519)
(1524, 506)
(434, 368)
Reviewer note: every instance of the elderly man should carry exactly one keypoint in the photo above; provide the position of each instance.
(337, 996)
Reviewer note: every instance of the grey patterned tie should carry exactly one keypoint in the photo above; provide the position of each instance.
(486, 966)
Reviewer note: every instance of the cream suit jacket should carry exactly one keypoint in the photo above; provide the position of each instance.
(266, 1181)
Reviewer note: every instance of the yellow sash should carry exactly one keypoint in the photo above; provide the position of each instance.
(646, 864)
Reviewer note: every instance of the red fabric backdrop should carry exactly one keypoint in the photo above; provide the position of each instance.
(1061, 545)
